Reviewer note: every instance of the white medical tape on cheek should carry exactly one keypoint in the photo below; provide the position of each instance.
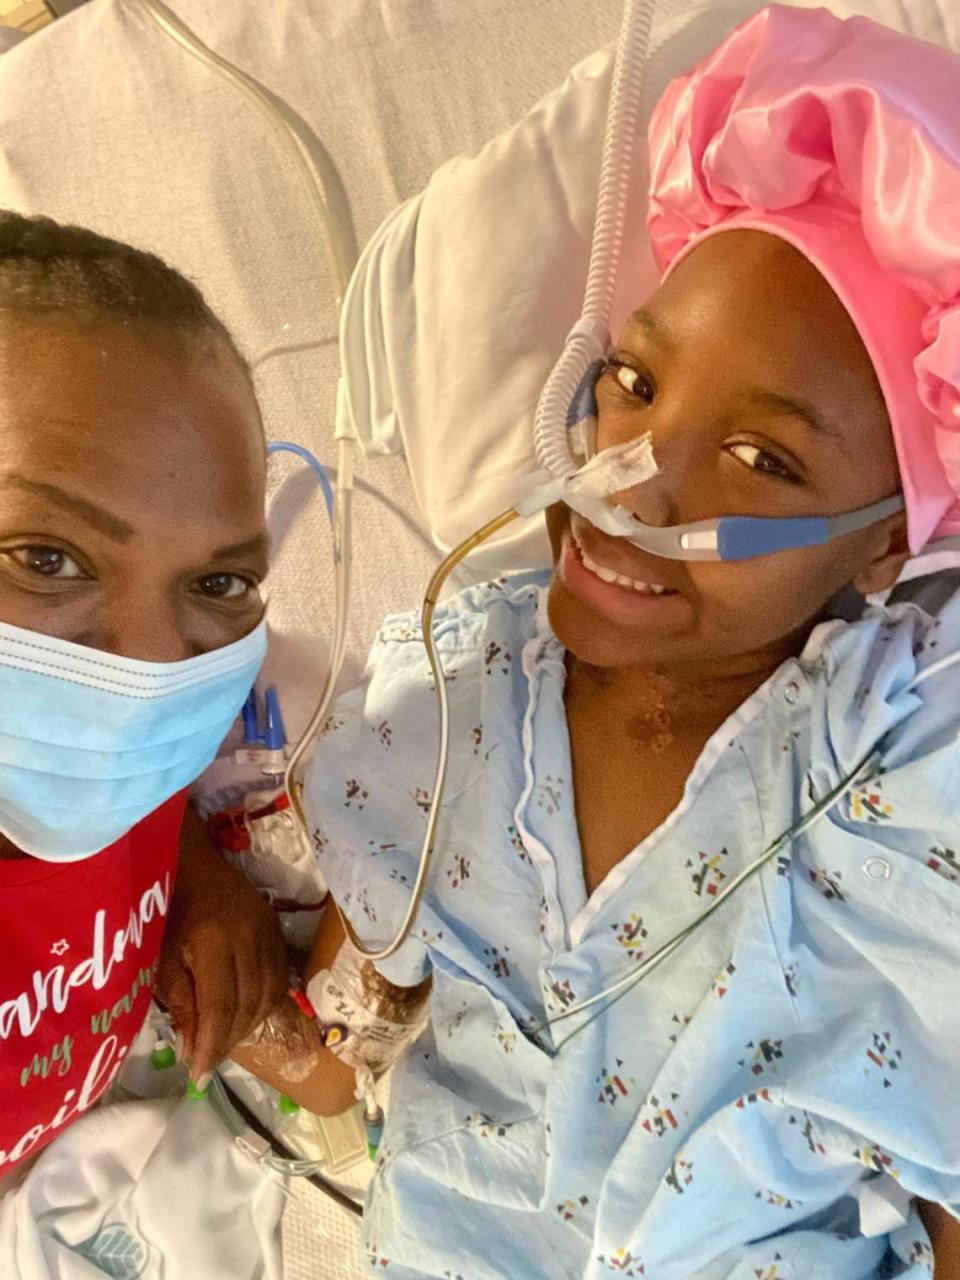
(613, 470)
(577, 440)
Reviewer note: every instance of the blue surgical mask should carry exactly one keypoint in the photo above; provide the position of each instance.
(90, 743)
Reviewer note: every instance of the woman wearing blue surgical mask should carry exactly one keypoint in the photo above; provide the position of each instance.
(132, 546)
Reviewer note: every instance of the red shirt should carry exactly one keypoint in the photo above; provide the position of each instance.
(79, 944)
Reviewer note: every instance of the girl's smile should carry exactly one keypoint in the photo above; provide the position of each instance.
(620, 582)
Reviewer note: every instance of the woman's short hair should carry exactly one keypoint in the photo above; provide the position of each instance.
(50, 268)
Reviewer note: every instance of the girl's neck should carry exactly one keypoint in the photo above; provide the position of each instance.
(673, 702)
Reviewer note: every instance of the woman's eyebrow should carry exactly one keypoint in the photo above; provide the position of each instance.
(794, 407)
(258, 545)
(98, 518)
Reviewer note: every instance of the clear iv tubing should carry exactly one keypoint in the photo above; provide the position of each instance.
(287, 133)
(288, 1167)
(340, 270)
(588, 338)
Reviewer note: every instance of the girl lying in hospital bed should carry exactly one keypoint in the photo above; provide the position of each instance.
(631, 733)
(132, 542)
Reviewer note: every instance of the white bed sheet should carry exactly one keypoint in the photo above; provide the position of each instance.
(106, 122)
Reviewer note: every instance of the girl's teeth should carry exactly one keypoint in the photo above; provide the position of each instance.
(621, 580)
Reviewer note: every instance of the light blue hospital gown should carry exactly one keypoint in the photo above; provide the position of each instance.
(723, 1118)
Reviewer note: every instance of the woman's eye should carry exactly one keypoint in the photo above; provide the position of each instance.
(761, 460)
(49, 562)
(632, 381)
(225, 586)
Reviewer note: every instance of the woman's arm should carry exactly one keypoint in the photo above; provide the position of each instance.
(223, 963)
(944, 1231)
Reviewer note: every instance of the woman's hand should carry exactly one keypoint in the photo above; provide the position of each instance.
(223, 966)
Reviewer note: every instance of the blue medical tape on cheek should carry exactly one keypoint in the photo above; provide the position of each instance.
(743, 537)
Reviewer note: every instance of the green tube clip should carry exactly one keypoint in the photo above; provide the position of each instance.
(163, 1057)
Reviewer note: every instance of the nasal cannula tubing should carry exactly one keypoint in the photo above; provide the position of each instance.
(550, 432)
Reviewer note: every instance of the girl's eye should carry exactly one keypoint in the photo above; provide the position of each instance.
(632, 380)
(225, 586)
(49, 562)
(761, 460)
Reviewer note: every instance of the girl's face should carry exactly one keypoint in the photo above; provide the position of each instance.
(131, 488)
(761, 401)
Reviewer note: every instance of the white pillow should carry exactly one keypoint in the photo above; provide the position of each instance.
(462, 299)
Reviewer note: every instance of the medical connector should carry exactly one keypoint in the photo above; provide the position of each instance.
(231, 828)
(264, 736)
(374, 1122)
(254, 771)
(330, 1034)
(289, 1042)
(252, 820)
